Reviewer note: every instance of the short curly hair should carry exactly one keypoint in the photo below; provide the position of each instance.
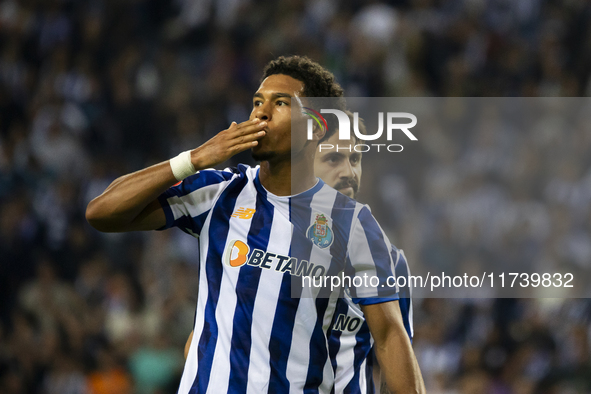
(318, 81)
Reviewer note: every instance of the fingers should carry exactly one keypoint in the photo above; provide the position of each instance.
(244, 146)
(242, 136)
(245, 142)
(246, 128)
(246, 139)
(249, 122)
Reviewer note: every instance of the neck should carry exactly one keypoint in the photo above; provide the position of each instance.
(276, 175)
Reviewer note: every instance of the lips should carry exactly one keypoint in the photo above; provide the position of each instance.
(266, 130)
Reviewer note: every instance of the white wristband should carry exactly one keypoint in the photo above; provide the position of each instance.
(181, 166)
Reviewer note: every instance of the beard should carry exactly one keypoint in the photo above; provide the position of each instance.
(352, 183)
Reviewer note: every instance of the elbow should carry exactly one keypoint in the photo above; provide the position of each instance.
(96, 216)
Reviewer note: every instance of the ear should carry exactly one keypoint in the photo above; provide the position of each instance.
(318, 132)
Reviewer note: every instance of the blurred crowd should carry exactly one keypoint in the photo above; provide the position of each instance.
(91, 90)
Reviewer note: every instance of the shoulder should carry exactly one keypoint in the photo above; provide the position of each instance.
(212, 176)
(365, 218)
(343, 212)
(400, 262)
(336, 202)
(215, 176)
(335, 208)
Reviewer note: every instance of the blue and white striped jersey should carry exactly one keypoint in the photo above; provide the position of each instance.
(250, 334)
(350, 341)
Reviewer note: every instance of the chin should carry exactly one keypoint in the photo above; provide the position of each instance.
(263, 156)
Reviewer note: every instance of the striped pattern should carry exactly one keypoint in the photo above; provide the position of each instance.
(250, 334)
(350, 343)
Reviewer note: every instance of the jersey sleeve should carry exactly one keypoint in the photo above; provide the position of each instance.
(370, 262)
(187, 203)
(404, 291)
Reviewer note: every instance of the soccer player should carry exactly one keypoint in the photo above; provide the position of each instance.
(339, 166)
(350, 343)
(250, 334)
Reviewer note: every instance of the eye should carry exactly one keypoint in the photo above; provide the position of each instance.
(356, 159)
(333, 159)
(256, 103)
(282, 103)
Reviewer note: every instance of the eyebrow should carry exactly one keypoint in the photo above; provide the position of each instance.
(274, 95)
(340, 154)
(334, 154)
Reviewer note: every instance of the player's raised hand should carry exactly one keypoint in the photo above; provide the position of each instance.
(227, 143)
(130, 204)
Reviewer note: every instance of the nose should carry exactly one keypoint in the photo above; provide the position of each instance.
(262, 111)
(346, 170)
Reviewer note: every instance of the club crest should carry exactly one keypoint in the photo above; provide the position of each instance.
(320, 233)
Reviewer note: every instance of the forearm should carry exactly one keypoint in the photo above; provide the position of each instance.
(130, 202)
(399, 367)
(400, 372)
(127, 198)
